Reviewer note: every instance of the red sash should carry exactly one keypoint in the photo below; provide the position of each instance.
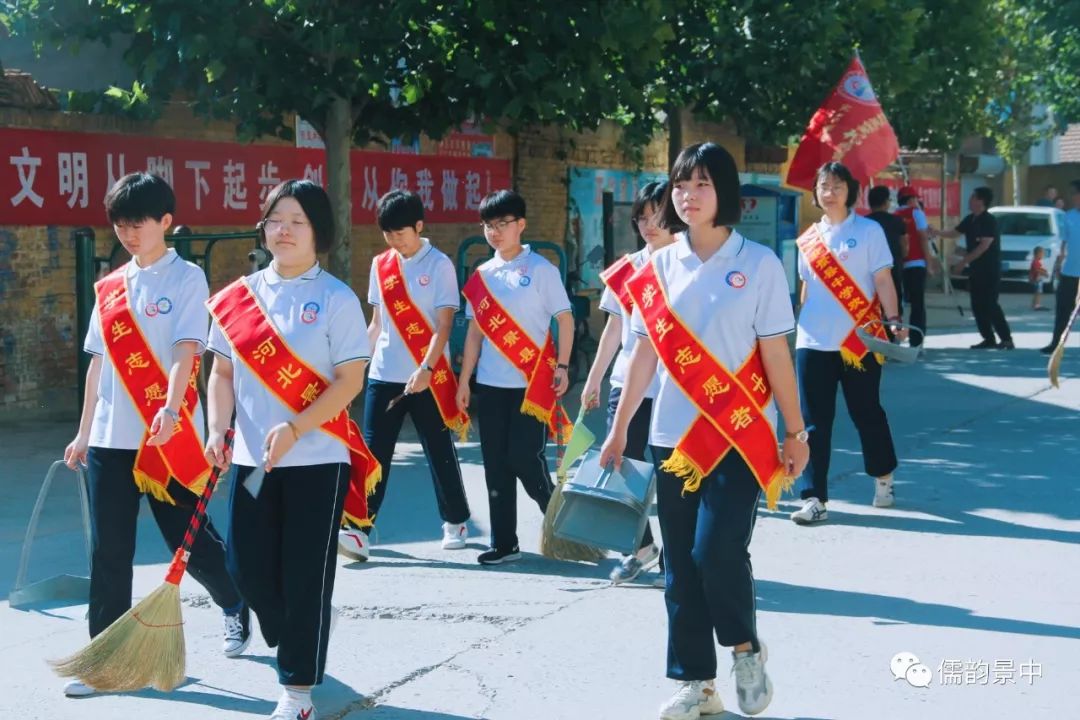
(417, 333)
(538, 366)
(730, 404)
(846, 292)
(256, 341)
(615, 277)
(146, 382)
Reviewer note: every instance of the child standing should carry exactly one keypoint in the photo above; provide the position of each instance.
(1037, 276)
(142, 425)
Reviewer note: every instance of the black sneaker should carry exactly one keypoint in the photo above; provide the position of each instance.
(498, 557)
(985, 345)
(1006, 345)
(237, 632)
(1048, 350)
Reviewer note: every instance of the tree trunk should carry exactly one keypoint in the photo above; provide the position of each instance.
(675, 141)
(339, 130)
(1016, 184)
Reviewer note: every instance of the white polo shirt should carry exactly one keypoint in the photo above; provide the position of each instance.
(321, 320)
(432, 283)
(921, 223)
(531, 289)
(167, 300)
(738, 295)
(860, 246)
(609, 303)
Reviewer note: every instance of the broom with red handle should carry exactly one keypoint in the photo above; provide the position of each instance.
(144, 647)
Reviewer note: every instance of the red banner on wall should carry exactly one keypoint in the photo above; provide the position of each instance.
(60, 178)
(929, 194)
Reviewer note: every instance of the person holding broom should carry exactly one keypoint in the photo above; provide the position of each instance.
(617, 341)
(510, 302)
(141, 427)
(289, 358)
(414, 291)
(715, 309)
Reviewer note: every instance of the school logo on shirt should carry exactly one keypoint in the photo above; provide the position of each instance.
(164, 305)
(524, 281)
(424, 280)
(309, 313)
(151, 310)
(851, 242)
(736, 279)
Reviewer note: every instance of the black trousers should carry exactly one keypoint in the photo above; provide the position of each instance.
(114, 513)
(915, 295)
(283, 554)
(512, 445)
(637, 439)
(381, 430)
(819, 373)
(710, 581)
(1065, 298)
(989, 317)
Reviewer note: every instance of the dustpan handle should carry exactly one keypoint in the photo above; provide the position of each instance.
(180, 559)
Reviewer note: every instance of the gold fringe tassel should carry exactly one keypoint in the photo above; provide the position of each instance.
(528, 407)
(460, 427)
(880, 358)
(851, 359)
(351, 521)
(372, 481)
(156, 490)
(680, 465)
(779, 484)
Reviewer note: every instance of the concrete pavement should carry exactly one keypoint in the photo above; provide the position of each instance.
(973, 572)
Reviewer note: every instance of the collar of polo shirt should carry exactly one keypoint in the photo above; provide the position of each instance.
(272, 278)
(526, 250)
(168, 258)
(731, 248)
(825, 224)
(419, 255)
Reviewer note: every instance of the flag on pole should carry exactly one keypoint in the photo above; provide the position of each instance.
(849, 127)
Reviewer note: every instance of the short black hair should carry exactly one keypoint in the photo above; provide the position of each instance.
(718, 164)
(502, 203)
(1075, 185)
(139, 196)
(839, 170)
(878, 196)
(651, 193)
(985, 194)
(315, 203)
(399, 209)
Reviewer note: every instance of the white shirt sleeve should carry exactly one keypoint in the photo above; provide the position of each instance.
(637, 322)
(446, 289)
(192, 317)
(93, 343)
(774, 315)
(804, 267)
(347, 330)
(554, 296)
(609, 303)
(880, 256)
(374, 292)
(217, 343)
(921, 223)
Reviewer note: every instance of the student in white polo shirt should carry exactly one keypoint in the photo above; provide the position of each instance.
(617, 342)
(413, 317)
(285, 338)
(164, 295)
(826, 355)
(715, 310)
(516, 293)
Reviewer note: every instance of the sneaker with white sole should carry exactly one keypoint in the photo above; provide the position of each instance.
(693, 699)
(77, 688)
(883, 493)
(812, 511)
(633, 565)
(454, 536)
(498, 557)
(354, 544)
(752, 684)
(294, 706)
(237, 632)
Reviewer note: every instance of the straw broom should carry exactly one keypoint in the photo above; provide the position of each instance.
(552, 546)
(1054, 366)
(144, 647)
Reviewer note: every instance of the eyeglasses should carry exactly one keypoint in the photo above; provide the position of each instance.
(831, 189)
(498, 226)
(273, 226)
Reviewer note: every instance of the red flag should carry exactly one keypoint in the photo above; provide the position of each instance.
(849, 127)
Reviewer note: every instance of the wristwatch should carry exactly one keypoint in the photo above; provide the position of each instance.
(562, 366)
(172, 413)
(802, 436)
(427, 367)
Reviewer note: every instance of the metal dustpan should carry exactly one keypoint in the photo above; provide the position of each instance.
(70, 588)
(891, 350)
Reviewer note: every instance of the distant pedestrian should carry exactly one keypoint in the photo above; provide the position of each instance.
(1037, 276)
(1049, 198)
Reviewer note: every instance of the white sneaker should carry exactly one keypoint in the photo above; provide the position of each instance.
(294, 706)
(633, 565)
(883, 492)
(454, 536)
(693, 699)
(752, 685)
(812, 511)
(354, 544)
(660, 581)
(237, 633)
(76, 688)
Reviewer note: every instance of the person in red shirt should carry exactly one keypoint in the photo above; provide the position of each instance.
(920, 258)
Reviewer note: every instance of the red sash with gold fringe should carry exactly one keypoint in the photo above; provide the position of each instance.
(417, 333)
(731, 405)
(296, 385)
(615, 277)
(538, 366)
(147, 383)
(846, 292)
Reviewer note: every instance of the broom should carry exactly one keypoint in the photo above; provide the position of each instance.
(551, 546)
(1054, 365)
(144, 647)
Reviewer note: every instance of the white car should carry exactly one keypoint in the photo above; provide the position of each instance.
(1023, 228)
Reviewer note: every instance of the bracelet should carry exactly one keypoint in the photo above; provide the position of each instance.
(295, 432)
(562, 366)
(172, 413)
(427, 367)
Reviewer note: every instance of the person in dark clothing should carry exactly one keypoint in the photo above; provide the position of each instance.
(895, 235)
(983, 258)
